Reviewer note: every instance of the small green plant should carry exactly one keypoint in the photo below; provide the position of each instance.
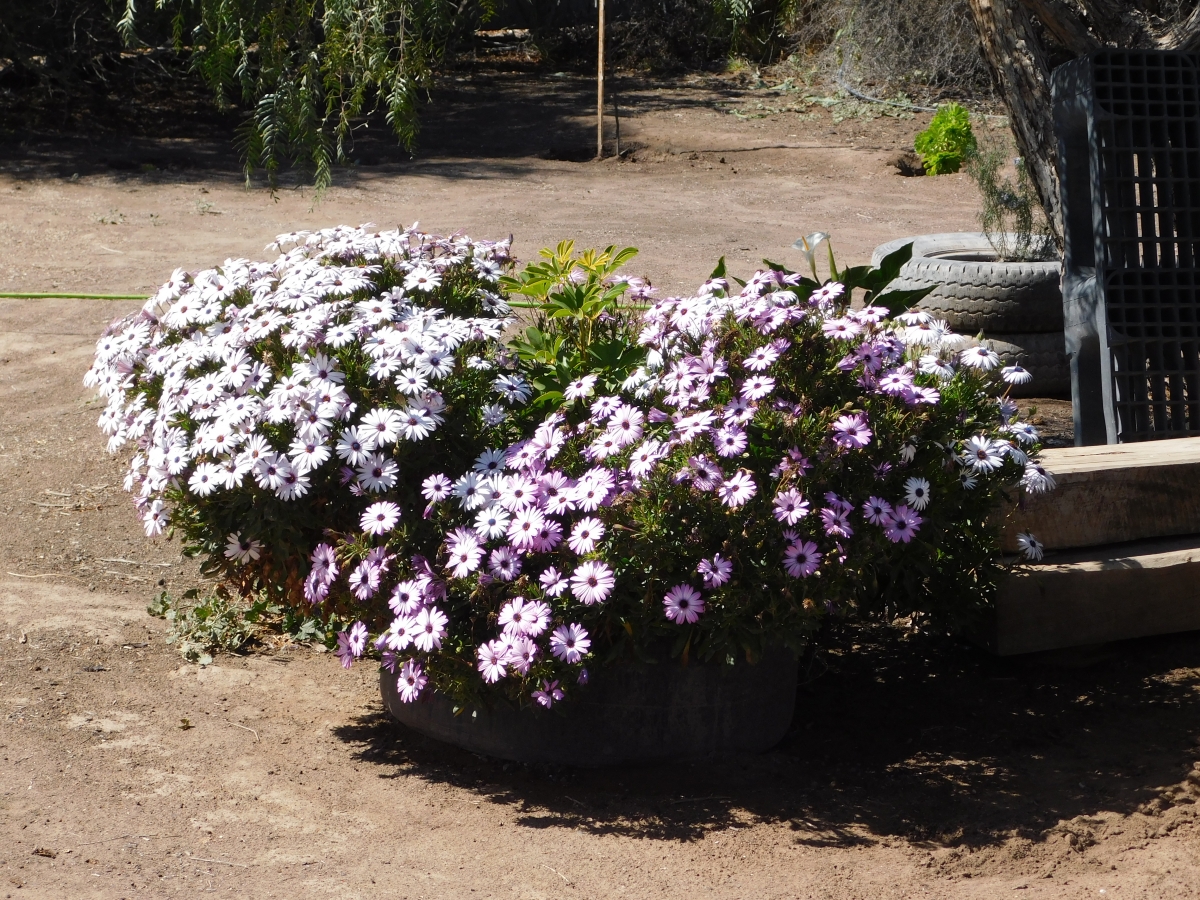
(204, 627)
(947, 142)
(1012, 216)
(585, 319)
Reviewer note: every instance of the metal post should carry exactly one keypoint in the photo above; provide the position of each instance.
(600, 82)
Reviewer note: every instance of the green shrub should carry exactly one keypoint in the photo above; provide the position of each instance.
(306, 70)
(1012, 216)
(947, 142)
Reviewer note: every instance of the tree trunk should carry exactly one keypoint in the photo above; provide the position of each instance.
(1017, 61)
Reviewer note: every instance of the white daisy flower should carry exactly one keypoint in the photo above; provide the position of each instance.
(980, 357)
(1031, 546)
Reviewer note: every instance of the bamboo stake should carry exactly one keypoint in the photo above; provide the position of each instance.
(600, 81)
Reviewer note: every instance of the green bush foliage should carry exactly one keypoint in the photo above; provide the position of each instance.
(946, 143)
(308, 69)
(1012, 215)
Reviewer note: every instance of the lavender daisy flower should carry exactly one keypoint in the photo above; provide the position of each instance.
(358, 639)
(513, 616)
(730, 441)
(378, 473)
(836, 522)
(592, 582)
(790, 506)
(896, 382)
(380, 518)
(343, 651)
(737, 489)
(757, 387)
(464, 551)
(715, 571)
(522, 652)
(683, 604)
(364, 580)
(801, 559)
(431, 628)
(407, 597)
(549, 537)
(553, 582)
(1024, 432)
(400, 633)
(242, 550)
(877, 511)
(580, 388)
(504, 563)
(852, 431)
(626, 425)
(549, 694)
(761, 358)
(983, 454)
(981, 357)
(585, 535)
(493, 661)
(411, 681)
(1036, 479)
(904, 525)
(604, 407)
(525, 529)
(570, 643)
(436, 488)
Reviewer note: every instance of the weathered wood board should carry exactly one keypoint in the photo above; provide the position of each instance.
(1113, 493)
(1098, 595)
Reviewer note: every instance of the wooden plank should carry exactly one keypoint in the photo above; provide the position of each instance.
(1074, 460)
(1100, 595)
(1111, 494)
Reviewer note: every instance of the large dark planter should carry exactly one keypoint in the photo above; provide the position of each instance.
(630, 712)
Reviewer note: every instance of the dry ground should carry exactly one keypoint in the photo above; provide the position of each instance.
(921, 768)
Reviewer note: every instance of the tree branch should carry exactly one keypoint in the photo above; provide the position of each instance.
(1185, 35)
(1062, 22)
(1105, 15)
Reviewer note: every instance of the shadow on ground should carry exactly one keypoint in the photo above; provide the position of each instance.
(915, 737)
(478, 124)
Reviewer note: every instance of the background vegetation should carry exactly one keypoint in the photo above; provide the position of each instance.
(298, 75)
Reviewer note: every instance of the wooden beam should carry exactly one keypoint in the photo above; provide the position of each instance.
(1112, 493)
(1092, 597)
(600, 80)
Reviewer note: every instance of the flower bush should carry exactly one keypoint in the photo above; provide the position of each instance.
(704, 479)
(272, 403)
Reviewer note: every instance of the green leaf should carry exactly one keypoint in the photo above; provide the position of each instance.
(891, 264)
(853, 277)
(549, 397)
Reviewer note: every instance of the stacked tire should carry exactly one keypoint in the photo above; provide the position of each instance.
(1017, 306)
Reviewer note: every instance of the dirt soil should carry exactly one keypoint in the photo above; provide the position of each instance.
(916, 766)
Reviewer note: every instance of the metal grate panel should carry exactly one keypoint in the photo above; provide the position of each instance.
(1136, 290)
